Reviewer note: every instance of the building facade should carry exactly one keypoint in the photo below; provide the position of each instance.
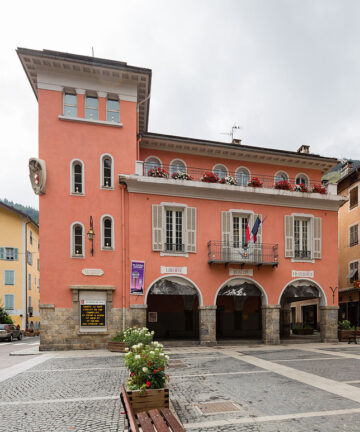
(19, 267)
(140, 228)
(349, 248)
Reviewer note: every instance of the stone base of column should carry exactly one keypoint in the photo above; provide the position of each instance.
(271, 324)
(136, 316)
(329, 324)
(207, 318)
(285, 321)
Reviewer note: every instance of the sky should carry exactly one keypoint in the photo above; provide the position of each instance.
(287, 72)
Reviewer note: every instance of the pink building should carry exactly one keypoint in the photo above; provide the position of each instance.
(170, 217)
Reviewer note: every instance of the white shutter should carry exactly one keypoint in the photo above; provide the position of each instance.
(225, 235)
(289, 236)
(2, 253)
(157, 227)
(191, 229)
(317, 238)
(258, 244)
(16, 251)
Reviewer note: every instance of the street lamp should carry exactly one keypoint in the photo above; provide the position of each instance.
(91, 235)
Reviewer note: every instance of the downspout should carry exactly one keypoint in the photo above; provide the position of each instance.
(123, 250)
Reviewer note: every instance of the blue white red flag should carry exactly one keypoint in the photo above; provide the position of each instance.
(255, 228)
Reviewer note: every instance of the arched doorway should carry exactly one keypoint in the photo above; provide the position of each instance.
(300, 303)
(238, 310)
(173, 308)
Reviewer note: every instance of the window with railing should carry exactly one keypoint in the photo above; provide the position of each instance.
(174, 231)
(302, 248)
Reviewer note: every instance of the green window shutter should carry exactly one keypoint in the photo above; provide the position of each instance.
(2, 253)
(16, 254)
(9, 301)
(9, 277)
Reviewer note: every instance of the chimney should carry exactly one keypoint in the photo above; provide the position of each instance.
(304, 149)
(236, 141)
(346, 167)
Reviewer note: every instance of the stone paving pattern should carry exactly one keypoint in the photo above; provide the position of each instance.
(38, 399)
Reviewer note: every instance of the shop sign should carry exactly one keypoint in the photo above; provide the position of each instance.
(93, 313)
(137, 277)
(176, 270)
(92, 272)
(297, 273)
(241, 272)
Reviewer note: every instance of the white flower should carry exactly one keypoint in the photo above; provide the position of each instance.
(161, 354)
(127, 354)
(152, 332)
(145, 369)
(167, 357)
(137, 357)
(134, 346)
(152, 352)
(126, 349)
(140, 345)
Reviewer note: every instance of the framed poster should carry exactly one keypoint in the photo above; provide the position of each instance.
(137, 277)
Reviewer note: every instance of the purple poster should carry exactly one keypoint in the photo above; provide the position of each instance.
(137, 277)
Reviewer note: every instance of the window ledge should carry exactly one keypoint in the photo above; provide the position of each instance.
(106, 188)
(96, 122)
(92, 333)
(293, 260)
(76, 194)
(107, 249)
(184, 255)
(77, 256)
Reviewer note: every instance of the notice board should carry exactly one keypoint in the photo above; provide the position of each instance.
(93, 313)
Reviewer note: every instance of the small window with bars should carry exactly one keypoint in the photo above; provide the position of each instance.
(354, 239)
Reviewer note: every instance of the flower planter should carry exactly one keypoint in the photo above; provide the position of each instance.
(116, 346)
(344, 335)
(303, 331)
(150, 399)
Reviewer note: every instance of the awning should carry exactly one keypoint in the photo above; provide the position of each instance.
(352, 273)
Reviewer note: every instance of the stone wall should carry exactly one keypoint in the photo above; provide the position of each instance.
(207, 325)
(271, 324)
(329, 323)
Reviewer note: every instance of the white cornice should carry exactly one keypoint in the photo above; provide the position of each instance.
(219, 192)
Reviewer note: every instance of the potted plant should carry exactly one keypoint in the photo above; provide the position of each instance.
(146, 385)
(283, 185)
(158, 172)
(180, 175)
(318, 189)
(302, 329)
(301, 187)
(346, 330)
(255, 182)
(228, 180)
(134, 336)
(210, 177)
(117, 343)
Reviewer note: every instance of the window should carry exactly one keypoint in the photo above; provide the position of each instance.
(77, 240)
(107, 171)
(354, 235)
(9, 277)
(91, 108)
(9, 302)
(353, 274)
(173, 228)
(38, 264)
(220, 170)
(242, 176)
(174, 231)
(29, 258)
(112, 110)
(77, 177)
(10, 254)
(302, 179)
(177, 166)
(29, 281)
(107, 234)
(239, 231)
(70, 105)
(302, 238)
(29, 302)
(353, 197)
(281, 176)
(151, 163)
(31, 237)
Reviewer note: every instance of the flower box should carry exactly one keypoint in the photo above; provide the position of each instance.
(344, 335)
(158, 172)
(210, 177)
(116, 346)
(255, 182)
(148, 399)
(301, 188)
(318, 189)
(283, 185)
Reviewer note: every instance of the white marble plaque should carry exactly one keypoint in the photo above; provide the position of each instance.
(176, 270)
(297, 273)
(92, 272)
(241, 272)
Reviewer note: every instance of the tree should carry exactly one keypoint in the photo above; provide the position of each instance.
(4, 317)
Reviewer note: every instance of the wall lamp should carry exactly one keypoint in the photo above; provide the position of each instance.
(91, 235)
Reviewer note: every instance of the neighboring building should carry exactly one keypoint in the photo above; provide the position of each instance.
(19, 267)
(132, 234)
(349, 248)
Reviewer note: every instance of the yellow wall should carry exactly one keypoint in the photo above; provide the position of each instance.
(32, 270)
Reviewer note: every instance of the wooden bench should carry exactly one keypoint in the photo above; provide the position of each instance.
(160, 420)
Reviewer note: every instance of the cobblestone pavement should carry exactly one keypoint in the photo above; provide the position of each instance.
(291, 388)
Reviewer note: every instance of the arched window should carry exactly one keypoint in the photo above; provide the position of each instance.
(107, 232)
(151, 163)
(177, 165)
(220, 170)
(107, 171)
(302, 179)
(77, 240)
(242, 176)
(281, 176)
(77, 177)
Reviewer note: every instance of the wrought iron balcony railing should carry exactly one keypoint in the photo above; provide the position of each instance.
(302, 254)
(174, 247)
(253, 254)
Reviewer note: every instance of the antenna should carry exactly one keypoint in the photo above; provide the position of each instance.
(231, 133)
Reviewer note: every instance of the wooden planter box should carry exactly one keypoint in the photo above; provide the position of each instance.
(344, 335)
(152, 398)
(116, 346)
(303, 331)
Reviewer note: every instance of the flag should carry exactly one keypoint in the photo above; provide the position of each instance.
(247, 233)
(255, 228)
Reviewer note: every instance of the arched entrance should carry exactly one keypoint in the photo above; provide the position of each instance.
(300, 303)
(238, 310)
(173, 308)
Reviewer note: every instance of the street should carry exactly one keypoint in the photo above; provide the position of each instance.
(7, 347)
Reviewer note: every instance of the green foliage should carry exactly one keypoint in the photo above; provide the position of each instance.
(134, 336)
(146, 364)
(4, 317)
(119, 337)
(301, 326)
(30, 211)
(345, 325)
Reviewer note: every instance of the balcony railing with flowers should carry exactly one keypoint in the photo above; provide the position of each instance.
(252, 254)
(234, 178)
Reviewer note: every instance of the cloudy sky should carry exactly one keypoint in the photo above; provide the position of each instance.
(286, 71)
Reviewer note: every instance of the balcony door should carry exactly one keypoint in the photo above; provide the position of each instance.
(240, 250)
(302, 238)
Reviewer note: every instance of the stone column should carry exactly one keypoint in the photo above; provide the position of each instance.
(271, 324)
(329, 323)
(285, 312)
(136, 316)
(207, 317)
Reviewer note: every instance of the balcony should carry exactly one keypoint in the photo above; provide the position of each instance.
(254, 254)
(302, 254)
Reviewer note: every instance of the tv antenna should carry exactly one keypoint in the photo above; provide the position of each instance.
(231, 133)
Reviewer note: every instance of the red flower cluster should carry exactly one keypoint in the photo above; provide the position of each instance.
(158, 172)
(318, 189)
(148, 383)
(301, 188)
(255, 182)
(283, 185)
(210, 177)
